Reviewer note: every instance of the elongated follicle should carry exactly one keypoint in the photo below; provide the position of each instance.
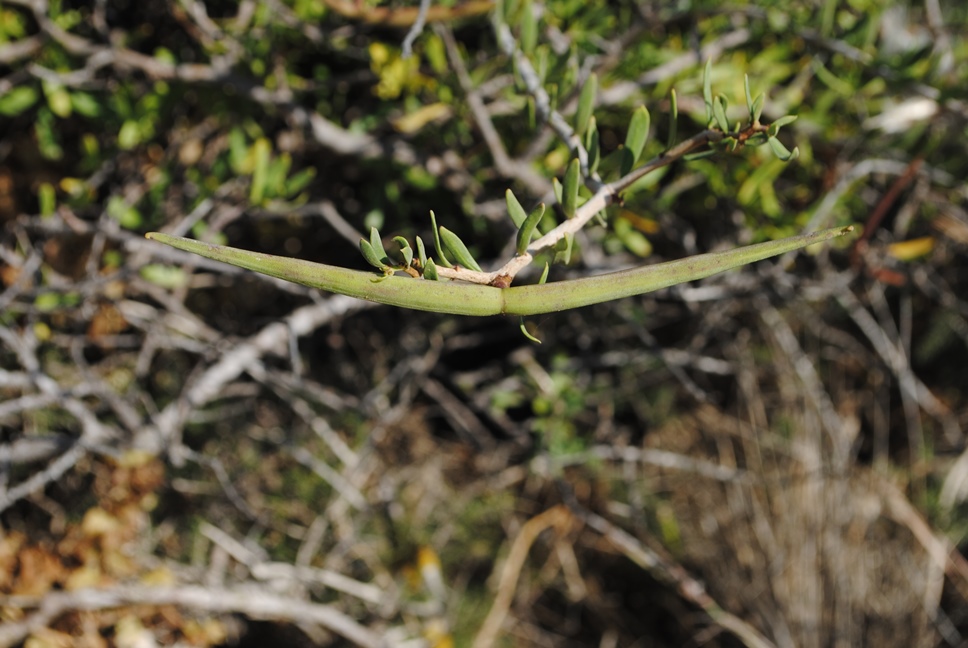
(474, 299)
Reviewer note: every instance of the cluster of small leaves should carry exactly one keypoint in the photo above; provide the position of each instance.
(445, 242)
(567, 192)
(716, 115)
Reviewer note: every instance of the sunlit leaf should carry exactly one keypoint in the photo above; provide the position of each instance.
(586, 104)
(635, 138)
(17, 100)
(569, 190)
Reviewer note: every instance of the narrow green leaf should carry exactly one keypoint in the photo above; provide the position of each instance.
(46, 198)
(526, 231)
(529, 28)
(58, 99)
(164, 275)
(586, 103)
(673, 119)
(749, 97)
(377, 244)
(440, 250)
(421, 252)
(17, 100)
(430, 271)
(635, 138)
(261, 151)
(593, 146)
(298, 181)
(516, 75)
(782, 152)
(719, 111)
(544, 274)
(372, 256)
(405, 250)
(129, 135)
(689, 157)
(707, 89)
(563, 249)
(757, 111)
(457, 248)
(556, 188)
(524, 330)
(506, 9)
(570, 188)
(783, 121)
(515, 210)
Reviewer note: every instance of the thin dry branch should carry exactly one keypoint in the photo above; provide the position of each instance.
(253, 602)
(490, 630)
